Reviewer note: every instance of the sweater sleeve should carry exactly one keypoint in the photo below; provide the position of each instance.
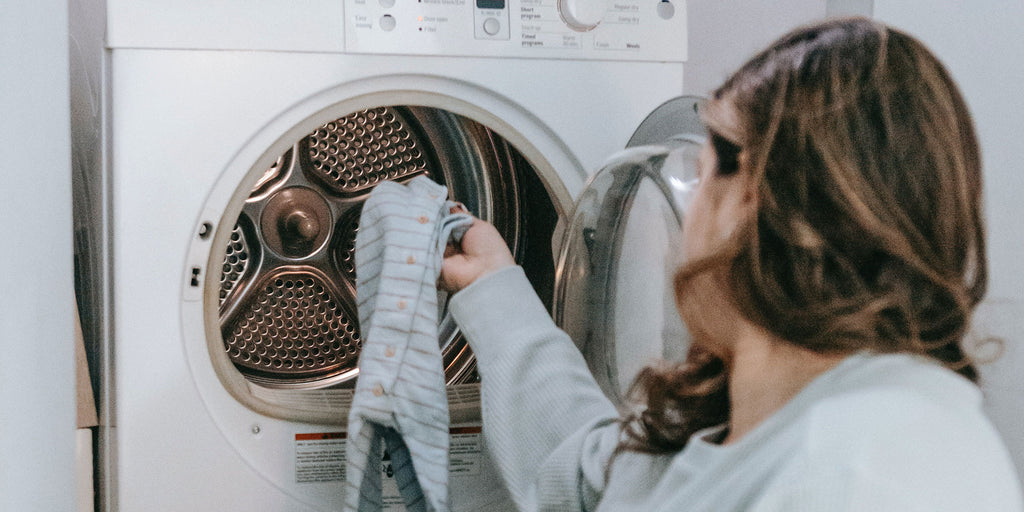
(548, 426)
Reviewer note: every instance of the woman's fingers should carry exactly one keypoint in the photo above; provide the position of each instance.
(481, 252)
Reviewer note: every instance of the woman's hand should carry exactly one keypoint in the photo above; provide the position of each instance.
(481, 252)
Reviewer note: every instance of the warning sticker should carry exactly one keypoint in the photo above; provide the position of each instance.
(320, 457)
(464, 445)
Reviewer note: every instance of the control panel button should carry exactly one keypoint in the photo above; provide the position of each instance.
(666, 10)
(492, 26)
(491, 19)
(582, 15)
(387, 4)
(387, 23)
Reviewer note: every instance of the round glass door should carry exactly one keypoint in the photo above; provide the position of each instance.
(613, 290)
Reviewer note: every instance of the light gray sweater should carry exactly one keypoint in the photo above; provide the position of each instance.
(875, 433)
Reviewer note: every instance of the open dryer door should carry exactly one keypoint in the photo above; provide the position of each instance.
(615, 268)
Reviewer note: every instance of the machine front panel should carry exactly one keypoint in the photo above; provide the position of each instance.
(638, 30)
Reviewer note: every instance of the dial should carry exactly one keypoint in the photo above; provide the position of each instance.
(582, 15)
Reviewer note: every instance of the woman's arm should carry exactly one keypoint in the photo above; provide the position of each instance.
(548, 426)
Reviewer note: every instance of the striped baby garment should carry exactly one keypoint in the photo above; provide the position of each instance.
(400, 403)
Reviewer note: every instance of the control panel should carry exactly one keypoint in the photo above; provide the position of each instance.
(633, 30)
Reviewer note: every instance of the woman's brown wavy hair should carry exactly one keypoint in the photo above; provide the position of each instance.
(868, 232)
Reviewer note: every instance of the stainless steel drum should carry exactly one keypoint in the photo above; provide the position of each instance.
(287, 293)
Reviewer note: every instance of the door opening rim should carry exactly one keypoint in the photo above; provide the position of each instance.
(537, 143)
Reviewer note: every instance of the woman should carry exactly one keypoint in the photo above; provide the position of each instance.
(835, 254)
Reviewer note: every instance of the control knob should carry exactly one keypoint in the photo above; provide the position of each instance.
(582, 15)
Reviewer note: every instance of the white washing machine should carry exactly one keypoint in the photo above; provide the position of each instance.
(243, 138)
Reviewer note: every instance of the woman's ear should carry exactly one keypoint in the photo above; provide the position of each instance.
(742, 196)
(750, 192)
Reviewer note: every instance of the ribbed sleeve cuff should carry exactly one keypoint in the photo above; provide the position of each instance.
(495, 305)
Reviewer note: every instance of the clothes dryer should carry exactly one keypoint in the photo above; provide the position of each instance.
(243, 138)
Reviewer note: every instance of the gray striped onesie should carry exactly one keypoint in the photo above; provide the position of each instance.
(400, 402)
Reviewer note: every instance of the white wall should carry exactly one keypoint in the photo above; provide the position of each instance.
(725, 33)
(982, 44)
(37, 394)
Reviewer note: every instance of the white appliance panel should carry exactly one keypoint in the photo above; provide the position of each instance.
(629, 30)
(625, 29)
(280, 25)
